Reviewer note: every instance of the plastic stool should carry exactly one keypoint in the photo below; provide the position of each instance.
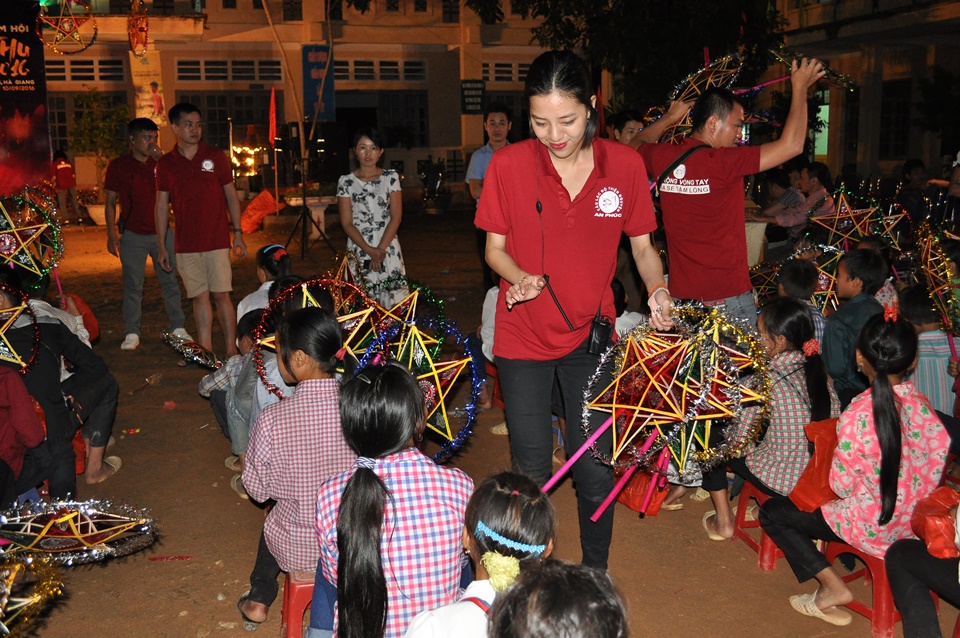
(767, 550)
(297, 598)
(883, 615)
(496, 396)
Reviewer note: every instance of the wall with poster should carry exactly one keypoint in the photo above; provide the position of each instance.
(148, 87)
(24, 125)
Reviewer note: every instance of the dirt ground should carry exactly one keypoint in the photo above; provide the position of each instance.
(676, 582)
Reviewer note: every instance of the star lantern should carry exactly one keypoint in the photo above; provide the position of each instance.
(20, 245)
(74, 28)
(763, 276)
(718, 73)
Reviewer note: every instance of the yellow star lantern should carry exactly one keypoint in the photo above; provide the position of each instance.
(8, 316)
(17, 245)
(70, 27)
(847, 226)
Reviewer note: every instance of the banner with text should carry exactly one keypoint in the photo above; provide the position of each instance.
(24, 121)
(316, 62)
(148, 87)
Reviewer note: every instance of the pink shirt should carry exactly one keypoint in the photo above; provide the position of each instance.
(855, 475)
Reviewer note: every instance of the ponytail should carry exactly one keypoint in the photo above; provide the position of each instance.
(274, 261)
(361, 585)
(817, 389)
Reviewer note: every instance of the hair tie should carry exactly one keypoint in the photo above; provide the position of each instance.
(502, 570)
(890, 312)
(366, 462)
(379, 359)
(514, 493)
(811, 347)
(279, 253)
(340, 354)
(483, 530)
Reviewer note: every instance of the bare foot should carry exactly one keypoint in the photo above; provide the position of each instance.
(109, 467)
(713, 526)
(675, 494)
(826, 598)
(256, 612)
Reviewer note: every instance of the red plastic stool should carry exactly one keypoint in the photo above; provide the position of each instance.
(297, 598)
(883, 615)
(767, 550)
(496, 396)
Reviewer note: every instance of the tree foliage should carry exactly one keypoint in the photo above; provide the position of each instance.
(649, 46)
(99, 129)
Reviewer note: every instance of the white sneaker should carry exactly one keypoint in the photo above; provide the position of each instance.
(183, 334)
(130, 342)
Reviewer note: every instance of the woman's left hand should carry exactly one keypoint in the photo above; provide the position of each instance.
(529, 287)
(660, 313)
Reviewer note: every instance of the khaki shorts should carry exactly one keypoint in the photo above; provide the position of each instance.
(202, 272)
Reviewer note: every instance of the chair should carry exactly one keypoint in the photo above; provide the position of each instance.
(883, 615)
(297, 598)
(767, 550)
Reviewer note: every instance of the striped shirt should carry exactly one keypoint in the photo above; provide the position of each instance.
(420, 542)
(295, 446)
(781, 457)
(930, 376)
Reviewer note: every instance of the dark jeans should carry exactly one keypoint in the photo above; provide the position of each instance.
(527, 396)
(263, 578)
(716, 479)
(95, 403)
(218, 403)
(792, 531)
(913, 572)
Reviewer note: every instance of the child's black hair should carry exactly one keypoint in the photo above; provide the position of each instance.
(867, 266)
(559, 599)
(799, 278)
(314, 331)
(274, 261)
(248, 323)
(294, 298)
(512, 507)
(793, 320)
(890, 347)
(381, 409)
(916, 306)
(619, 296)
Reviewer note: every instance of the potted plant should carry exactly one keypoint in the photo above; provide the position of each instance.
(99, 130)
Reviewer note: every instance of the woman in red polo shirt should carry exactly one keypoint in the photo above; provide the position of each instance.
(554, 208)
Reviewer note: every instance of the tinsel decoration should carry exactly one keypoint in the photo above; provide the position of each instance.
(936, 270)
(192, 351)
(28, 239)
(76, 532)
(74, 28)
(19, 315)
(27, 585)
(846, 227)
(764, 276)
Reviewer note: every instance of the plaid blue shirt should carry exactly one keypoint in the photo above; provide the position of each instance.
(930, 375)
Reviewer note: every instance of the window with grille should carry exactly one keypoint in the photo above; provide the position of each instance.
(451, 11)
(249, 111)
(336, 9)
(229, 4)
(292, 10)
(420, 6)
(63, 112)
(229, 70)
(402, 118)
(72, 70)
(414, 70)
(392, 5)
(505, 71)
(895, 119)
(363, 70)
(389, 70)
(341, 69)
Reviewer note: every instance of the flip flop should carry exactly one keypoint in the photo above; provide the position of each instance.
(672, 507)
(111, 465)
(232, 463)
(700, 495)
(248, 625)
(712, 535)
(805, 605)
(236, 484)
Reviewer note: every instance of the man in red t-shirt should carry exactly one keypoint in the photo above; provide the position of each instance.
(65, 179)
(195, 179)
(131, 182)
(702, 197)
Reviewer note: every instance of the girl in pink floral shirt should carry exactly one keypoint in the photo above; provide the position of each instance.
(890, 454)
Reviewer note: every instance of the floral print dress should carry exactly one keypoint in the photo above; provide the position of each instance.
(370, 202)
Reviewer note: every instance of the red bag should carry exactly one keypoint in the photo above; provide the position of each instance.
(89, 320)
(933, 522)
(813, 488)
(635, 491)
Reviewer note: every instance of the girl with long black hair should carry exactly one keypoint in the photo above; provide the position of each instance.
(890, 453)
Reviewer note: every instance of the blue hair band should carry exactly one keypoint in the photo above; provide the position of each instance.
(483, 530)
(366, 462)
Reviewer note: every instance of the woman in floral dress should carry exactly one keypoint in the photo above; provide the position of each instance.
(371, 206)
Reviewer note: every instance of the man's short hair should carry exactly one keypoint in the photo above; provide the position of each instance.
(916, 306)
(799, 279)
(911, 165)
(821, 172)
(713, 101)
(142, 125)
(181, 109)
(779, 177)
(497, 107)
(626, 116)
(867, 266)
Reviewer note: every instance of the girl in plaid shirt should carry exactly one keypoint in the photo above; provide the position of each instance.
(389, 528)
(800, 394)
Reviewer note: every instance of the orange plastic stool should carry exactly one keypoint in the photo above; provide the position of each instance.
(883, 615)
(297, 598)
(767, 550)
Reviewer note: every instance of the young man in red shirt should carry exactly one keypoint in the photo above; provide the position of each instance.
(131, 182)
(702, 197)
(195, 179)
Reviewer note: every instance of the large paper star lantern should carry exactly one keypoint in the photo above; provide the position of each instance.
(74, 28)
(18, 245)
(26, 586)
(847, 226)
(718, 73)
(936, 270)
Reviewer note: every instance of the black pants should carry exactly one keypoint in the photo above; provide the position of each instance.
(792, 531)
(263, 578)
(218, 403)
(95, 403)
(527, 396)
(913, 572)
(716, 479)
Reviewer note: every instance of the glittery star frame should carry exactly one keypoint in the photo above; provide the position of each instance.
(74, 29)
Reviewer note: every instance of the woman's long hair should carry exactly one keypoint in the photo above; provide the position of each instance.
(274, 261)
(381, 409)
(565, 73)
(792, 319)
(890, 347)
(317, 333)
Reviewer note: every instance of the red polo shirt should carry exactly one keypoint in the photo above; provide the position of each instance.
(64, 175)
(578, 248)
(702, 202)
(135, 184)
(196, 193)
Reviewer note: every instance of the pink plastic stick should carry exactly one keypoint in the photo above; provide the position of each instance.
(56, 276)
(613, 495)
(761, 85)
(576, 455)
(661, 467)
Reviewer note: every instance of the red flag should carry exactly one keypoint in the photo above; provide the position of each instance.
(272, 133)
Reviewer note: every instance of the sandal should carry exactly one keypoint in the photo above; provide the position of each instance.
(672, 507)
(236, 483)
(712, 535)
(806, 605)
(248, 625)
(111, 465)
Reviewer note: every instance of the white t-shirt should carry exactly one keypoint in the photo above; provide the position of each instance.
(256, 300)
(463, 619)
